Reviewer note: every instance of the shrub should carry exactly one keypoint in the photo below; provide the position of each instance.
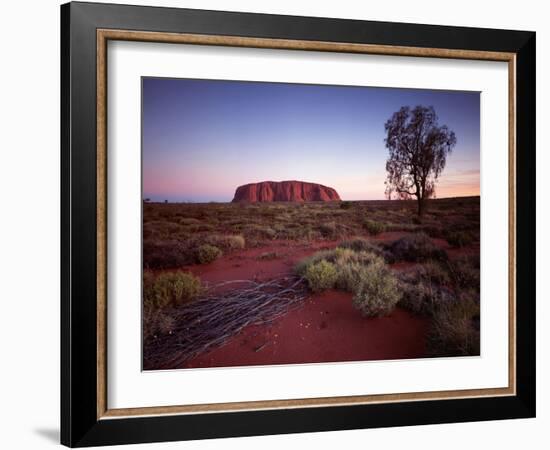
(350, 267)
(459, 238)
(328, 230)
(302, 266)
(349, 276)
(465, 271)
(420, 296)
(363, 273)
(352, 273)
(321, 275)
(156, 322)
(434, 273)
(260, 231)
(364, 245)
(359, 245)
(207, 253)
(374, 227)
(338, 256)
(425, 288)
(169, 289)
(416, 247)
(166, 254)
(345, 205)
(455, 329)
(233, 242)
(378, 290)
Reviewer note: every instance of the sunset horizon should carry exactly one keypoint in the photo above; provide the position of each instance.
(204, 138)
(158, 199)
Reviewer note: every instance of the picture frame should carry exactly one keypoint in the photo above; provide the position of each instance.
(86, 418)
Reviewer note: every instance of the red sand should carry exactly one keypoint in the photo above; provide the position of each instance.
(248, 264)
(326, 329)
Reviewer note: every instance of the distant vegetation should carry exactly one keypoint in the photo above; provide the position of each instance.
(174, 235)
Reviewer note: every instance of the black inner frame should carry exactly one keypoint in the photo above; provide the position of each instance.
(79, 424)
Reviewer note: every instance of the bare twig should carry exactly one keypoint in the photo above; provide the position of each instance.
(210, 321)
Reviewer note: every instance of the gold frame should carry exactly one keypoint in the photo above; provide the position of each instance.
(103, 36)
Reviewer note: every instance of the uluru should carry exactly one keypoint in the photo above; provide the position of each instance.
(285, 191)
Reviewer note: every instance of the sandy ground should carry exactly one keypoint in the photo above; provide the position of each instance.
(325, 329)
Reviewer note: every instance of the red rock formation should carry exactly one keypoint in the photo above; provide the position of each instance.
(285, 191)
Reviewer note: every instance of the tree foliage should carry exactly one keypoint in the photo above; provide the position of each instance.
(418, 148)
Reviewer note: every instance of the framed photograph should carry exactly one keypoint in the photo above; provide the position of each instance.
(277, 224)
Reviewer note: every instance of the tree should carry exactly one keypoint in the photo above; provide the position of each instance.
(418, 149)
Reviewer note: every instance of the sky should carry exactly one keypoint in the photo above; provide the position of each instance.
(204, 138)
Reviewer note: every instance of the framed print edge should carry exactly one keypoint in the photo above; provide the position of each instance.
(86, 418)
(174, 38)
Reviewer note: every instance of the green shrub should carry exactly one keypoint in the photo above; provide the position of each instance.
(455, 329)
(350, 267)
(364, 245)
(207, 253)
(416, 247)
(363, 273)
(169, 289)
(374, 227)
(345, 255)
(339, 256)
(378, 290)
(301, 267)
(321, 275)
(234, 242)
(350, 276)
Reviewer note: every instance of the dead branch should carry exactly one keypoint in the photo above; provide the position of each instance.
(210, 321)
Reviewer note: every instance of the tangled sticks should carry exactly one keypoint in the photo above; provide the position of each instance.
(210, 321)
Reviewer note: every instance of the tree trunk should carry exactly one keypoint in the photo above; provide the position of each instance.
(420, 206)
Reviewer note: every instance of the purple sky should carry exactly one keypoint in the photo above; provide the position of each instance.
(203, 138)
